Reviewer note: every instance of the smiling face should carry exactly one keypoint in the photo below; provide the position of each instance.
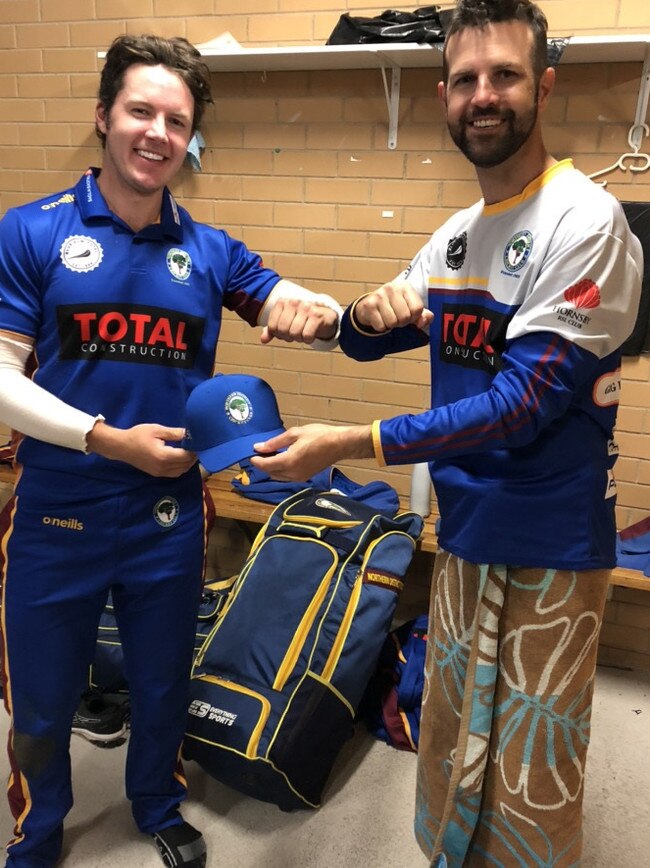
(147, 132)
(491, 96)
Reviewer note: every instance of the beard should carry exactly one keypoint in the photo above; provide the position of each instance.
(492, 150)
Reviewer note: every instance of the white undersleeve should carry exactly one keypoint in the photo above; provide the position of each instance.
(33, 411)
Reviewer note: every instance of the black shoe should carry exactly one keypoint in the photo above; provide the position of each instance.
(181, 845)
(99, 721)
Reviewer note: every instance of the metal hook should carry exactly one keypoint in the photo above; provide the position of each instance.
(631, 136)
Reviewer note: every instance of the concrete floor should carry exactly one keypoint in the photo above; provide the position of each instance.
(366, 817)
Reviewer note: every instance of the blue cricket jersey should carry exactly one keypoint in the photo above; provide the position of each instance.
(125, 323)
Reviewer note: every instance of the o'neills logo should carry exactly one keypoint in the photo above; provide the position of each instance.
(584, 295)
(472, 336)
(129, 333)
(65, 523)
(383, 580)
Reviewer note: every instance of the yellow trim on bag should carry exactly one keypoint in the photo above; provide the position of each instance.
(298, 641)
(253, 742)
(344, 629)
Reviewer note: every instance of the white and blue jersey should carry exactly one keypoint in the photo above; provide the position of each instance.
(125, 324)
(532, 298)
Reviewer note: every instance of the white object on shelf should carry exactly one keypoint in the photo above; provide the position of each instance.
(420, 499)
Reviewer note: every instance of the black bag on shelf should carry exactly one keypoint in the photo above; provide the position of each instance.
(424, 24)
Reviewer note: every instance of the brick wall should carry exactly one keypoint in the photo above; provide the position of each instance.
(297, 166)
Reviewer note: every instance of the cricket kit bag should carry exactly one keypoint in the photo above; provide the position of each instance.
(275, 687)
(393, 701)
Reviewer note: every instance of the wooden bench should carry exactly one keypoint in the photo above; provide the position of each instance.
(229, 503)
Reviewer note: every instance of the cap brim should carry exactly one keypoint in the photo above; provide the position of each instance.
(226, 454)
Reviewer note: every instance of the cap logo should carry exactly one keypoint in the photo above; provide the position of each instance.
(81, 253)
(179, 263)
(227, 415)
(238, 408)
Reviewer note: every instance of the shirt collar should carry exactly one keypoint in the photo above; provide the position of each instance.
(92, 205)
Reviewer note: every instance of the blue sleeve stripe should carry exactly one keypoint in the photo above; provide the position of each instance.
(497, 428)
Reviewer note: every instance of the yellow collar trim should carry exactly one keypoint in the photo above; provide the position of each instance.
(529, 190)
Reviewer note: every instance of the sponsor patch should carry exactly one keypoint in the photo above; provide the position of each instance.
(81, 253)
(457, 251)
(166, 512)
(611, 485)
(382, 579)
(607, 389)
(585, 295)
(472, 336)
(129, 333)
(198, 708)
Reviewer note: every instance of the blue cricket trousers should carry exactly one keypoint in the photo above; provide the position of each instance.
(62, 549)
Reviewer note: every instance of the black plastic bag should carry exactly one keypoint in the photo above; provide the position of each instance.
(422, 25)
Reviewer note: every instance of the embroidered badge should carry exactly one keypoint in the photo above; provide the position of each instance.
(517, 251)
(166, 511)
(179, 263)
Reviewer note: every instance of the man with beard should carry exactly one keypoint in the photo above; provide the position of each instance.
(525, 299)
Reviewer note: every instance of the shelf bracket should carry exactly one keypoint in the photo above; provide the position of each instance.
(392, 100)
(640, 127)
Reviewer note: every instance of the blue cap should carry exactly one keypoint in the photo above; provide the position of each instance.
(226, 415)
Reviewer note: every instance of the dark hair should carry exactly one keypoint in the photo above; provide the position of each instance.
(177, 54)
(480, 13)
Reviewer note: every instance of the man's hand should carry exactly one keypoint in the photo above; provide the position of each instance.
(144, 447)
(310, 449)
(393, 305)
(293, 319)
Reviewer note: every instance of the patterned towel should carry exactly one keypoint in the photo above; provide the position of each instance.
(506, 714)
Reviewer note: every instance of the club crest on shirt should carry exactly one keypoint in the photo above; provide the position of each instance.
(81, 253)
(457, 251)
(166, 511)
(517, 251)
(179, 263)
